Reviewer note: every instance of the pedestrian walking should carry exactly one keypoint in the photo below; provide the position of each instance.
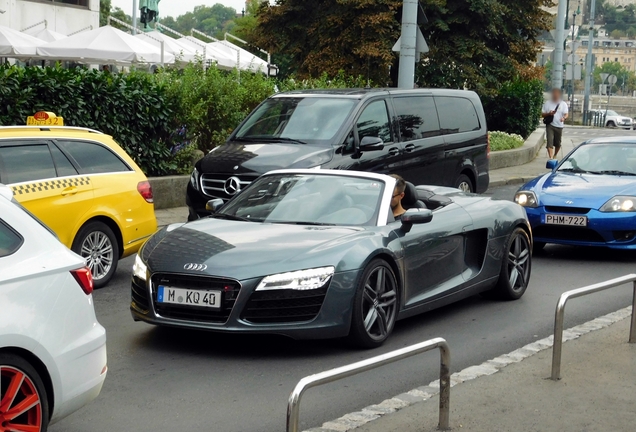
(555, 112)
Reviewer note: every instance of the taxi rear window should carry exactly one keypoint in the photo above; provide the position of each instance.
(93, 158)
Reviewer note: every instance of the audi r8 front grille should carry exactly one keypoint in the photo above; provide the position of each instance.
(214, 185)
(229, 291)
(573, 210)
(567, 233)
(279, 306)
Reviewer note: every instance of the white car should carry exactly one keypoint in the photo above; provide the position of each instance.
(52, 349)
(614, 119)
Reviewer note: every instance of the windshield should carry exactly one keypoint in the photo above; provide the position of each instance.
(610, 159)
(612, 113)
(304, 199)
(313, 120)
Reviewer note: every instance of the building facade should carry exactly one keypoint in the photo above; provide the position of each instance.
(62, 16)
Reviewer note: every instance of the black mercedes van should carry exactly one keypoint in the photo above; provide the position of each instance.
(428, 136)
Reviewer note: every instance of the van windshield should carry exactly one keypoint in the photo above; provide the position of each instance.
(314, 120)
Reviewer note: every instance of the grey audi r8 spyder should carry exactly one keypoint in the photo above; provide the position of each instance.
(318, 254)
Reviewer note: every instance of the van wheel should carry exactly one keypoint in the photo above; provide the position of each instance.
(22, 387)
(97, 244)
(464, 184)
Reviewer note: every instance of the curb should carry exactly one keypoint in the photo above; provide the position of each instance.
(418, 395)
(519, 156)
(511, 181)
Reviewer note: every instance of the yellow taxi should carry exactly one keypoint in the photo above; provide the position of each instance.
(83, 186)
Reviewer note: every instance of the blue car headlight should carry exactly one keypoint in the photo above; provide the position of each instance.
(526, 199)
(297, 280)
(620, 204)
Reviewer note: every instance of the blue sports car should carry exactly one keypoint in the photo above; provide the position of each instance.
(589, 198)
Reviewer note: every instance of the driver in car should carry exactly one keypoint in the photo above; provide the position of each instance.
(398, 195)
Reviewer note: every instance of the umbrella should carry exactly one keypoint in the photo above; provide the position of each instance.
(104, 45)
(17, 44)
(172, 46)
(47, 35)
(248, 61)
(222, 60)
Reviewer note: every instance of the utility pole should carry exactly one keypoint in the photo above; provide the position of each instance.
(588, 63)
(574, 60)
(408, 42)
(557, 71)
(134, 17)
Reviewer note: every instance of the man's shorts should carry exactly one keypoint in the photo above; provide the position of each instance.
(554, 135)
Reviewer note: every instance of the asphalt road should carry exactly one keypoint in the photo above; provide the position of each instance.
(173, 380)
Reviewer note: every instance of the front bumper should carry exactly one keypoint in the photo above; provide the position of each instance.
(611, 230)
(250, 312)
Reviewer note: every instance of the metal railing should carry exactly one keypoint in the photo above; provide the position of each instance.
(293, 406)
(560, 312)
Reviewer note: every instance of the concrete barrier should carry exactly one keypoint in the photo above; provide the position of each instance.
(169, 191)
(519, 156)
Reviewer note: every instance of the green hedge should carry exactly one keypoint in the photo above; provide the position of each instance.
(504, 141)
(134, 108)
(516, 109)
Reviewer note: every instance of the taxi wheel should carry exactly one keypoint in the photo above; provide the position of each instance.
(97, 243)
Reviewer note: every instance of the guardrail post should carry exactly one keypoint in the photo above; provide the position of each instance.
(632, 328)
(557, 342)
(293, 405)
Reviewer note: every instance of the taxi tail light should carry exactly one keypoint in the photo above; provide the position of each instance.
(84, 278)
(145, 190)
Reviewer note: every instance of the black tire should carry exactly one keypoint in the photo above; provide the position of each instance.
(11, 367)
(611, 124)
(537, 247)
(465, 184)
(100, 258)
(375, 305)
(516, 266)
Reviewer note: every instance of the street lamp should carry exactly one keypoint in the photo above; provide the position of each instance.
(272, 70)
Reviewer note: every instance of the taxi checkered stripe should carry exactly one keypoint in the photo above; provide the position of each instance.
(50, 185)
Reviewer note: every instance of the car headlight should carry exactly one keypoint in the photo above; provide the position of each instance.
(297, 280)
(140, 269)
(526, 199)
(194, 179)
(620, 204)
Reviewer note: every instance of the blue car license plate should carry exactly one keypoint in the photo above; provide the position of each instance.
(570, 220)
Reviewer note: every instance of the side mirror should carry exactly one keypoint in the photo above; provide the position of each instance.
(369, 143)
(551, 164)
(415, 216)
(213, 205)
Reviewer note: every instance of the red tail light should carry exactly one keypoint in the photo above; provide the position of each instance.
(145, 190)
(84, 278)
(488, 148)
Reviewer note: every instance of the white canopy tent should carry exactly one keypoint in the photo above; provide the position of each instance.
(245, 59)
(46, 35)
(181, 51)
(17, 44)
(104, 45)
(222, 60)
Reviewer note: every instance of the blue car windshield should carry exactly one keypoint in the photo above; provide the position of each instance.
(304, 199)
(602, 159)
(313, 120)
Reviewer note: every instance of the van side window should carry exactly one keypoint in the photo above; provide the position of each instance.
(26, 163)
(374, 122)
(456, 115)
(10, 241)
(93, 158)
(417, 117)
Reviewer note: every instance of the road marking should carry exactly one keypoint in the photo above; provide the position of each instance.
(373, 412)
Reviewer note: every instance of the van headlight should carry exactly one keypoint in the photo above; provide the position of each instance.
(297, 280)
(526, 199)
(140, 269)
(194, 179)
(620, 204)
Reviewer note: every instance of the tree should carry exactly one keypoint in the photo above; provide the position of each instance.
(213, 20)
(104, 11)
(120, 15)
(245, 26)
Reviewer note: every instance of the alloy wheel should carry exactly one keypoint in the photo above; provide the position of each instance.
(20, 404)
(379, 303)
(518, 263)
(97, 249)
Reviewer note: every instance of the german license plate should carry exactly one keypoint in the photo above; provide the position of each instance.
(188, 297)
(556, 219)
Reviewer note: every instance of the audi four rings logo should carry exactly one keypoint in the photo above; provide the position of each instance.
(195, 267)
(232, 186)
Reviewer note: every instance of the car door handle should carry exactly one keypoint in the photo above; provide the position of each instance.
(409, 148)
(393, 151)
(71, 190)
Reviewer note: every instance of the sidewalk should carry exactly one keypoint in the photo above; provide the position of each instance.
(597, 392)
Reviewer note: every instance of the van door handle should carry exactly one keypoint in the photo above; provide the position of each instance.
(71, 190)
(393, 151)
(409, 148)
